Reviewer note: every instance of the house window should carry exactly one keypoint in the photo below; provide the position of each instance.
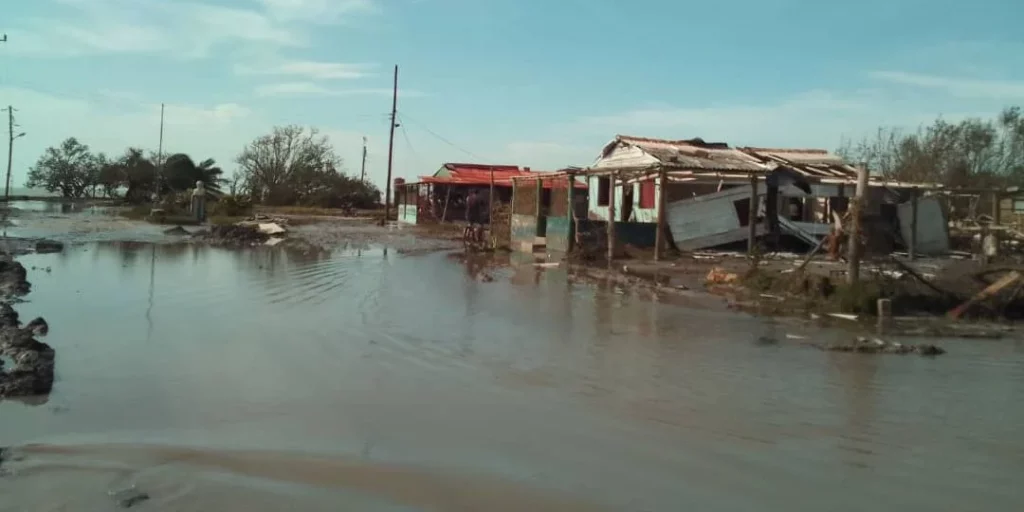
(647, 194)
(604, 190)
(1018, 206)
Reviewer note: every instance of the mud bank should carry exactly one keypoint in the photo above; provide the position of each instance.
(26, 364)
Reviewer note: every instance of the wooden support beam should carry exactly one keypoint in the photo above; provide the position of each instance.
(662, 191)
(612, 179)
(853, 243)
(571, 212)
(752, 217)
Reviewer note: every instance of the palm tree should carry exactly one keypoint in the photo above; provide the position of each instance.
(182, 173)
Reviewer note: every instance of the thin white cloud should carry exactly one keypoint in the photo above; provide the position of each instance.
(298, 89)
(318, 11)
(959, 87)
(310, 69)
(181, 29)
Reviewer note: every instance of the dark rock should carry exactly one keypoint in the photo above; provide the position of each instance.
(128, 498)
(49, 246)
(31, 370)
(39, 327)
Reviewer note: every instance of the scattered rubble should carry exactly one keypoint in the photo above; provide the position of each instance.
(862, 345)
(237, 235)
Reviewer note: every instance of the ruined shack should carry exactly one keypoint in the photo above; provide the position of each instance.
(716, 195)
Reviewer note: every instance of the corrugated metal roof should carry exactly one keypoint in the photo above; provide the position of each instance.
(693, 154)
(811, 163)
(480, 174)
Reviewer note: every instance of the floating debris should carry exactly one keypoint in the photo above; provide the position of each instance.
(862, 345)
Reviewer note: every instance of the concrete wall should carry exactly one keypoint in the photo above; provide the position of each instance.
(407, 213)
(524, 231)
(558, 233)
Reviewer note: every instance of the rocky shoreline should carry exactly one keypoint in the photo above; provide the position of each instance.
(26, 364)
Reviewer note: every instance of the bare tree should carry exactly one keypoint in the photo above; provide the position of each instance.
(277, 166)
(973, 152)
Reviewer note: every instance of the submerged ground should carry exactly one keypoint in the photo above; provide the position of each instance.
(385, 373)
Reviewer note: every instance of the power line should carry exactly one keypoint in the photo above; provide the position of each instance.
(405, 135)
(442, 139)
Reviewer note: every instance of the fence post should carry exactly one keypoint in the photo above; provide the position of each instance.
(659, 236)
(857, 208)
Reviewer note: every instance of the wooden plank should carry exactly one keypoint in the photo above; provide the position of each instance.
(992, 289)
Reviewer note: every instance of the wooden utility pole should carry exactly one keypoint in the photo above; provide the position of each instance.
(159, 159)
(10, 148)
(362, 172)
(391, 148)
(571, 216)
(853, 240)
(659, 236)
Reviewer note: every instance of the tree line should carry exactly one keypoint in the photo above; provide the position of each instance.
(291, 166)
(974, 152)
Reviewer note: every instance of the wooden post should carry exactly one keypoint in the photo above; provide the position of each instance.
(884, 314)
(996, 211)
(514, 187)
(540, 191)
(662, 191)
(490, 213)
(447, 198)
(612, 178)
(752, 217)
(571, 212)
(419, 188)
(853, 243)
(912, 249)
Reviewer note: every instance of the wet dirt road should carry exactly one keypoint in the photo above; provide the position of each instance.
(354, 379)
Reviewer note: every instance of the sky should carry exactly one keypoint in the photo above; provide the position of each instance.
(539, 83)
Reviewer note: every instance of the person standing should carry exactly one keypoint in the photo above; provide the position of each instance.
(199, 202)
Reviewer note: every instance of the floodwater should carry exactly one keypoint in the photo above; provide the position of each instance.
(365, 379)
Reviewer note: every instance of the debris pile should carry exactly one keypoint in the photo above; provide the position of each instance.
(862, 345)
(238, 235)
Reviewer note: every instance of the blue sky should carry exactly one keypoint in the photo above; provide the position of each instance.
(529, 82)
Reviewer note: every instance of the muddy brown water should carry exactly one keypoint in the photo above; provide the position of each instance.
(363, 380)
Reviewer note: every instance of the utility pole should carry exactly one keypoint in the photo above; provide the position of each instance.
(362, 173)
(10, 147)
(159, 159)
(391, 148)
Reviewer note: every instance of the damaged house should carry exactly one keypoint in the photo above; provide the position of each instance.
(441, 197)
(716, 195)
